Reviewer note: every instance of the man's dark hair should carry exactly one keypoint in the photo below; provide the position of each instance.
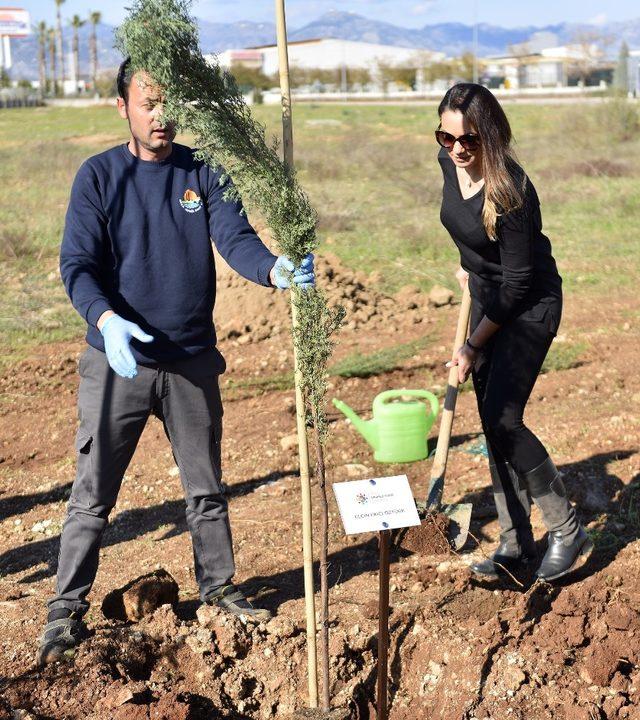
(125, 73)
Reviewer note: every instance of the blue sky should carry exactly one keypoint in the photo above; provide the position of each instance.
(409, 13)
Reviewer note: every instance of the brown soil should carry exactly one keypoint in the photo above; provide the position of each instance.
(337, 714)
(428, 538)
(459, 649)
(251, 314)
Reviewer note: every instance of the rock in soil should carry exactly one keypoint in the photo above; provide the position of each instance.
(428, 538)
(231, 635)
(135, 693)
(142, 596)
(440, 296)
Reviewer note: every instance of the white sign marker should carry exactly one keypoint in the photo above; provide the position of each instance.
(377, 504)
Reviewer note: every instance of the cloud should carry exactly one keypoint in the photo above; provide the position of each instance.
(422, 8)
(599, 19)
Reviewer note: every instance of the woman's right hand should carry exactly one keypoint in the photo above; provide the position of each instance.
(462, 276)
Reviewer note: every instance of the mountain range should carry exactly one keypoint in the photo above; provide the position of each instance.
(451, 38)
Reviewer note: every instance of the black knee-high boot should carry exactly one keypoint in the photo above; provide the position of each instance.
(568, 542)
(517, 547)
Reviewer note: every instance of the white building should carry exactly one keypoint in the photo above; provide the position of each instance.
(248, 58)
(329, 54)
(548, 67)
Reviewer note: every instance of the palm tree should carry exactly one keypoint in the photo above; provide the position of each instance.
(52, 37)
(76, 23)
(94, 19)
(60, 42)
(42, 55)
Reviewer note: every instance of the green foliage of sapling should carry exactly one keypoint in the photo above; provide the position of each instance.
(161, 38)
(313, 336)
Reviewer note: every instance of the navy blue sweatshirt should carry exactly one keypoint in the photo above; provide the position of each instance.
(514, 273)
(137, 240)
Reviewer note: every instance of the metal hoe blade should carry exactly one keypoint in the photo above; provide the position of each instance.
(460, 517)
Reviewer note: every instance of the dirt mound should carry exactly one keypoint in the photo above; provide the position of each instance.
(37, 373)
(217, 667)
(250, 313)
(464, 652)
(429, 538)
(547, 653)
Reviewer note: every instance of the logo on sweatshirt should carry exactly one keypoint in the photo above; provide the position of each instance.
(191, 201)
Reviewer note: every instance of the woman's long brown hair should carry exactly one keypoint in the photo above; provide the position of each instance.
(504, 182)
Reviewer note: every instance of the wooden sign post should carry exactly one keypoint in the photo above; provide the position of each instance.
(379, 504)
(384, 539)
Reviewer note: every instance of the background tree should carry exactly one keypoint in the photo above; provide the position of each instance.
(42, 56)
(249, 78)
(404, 75)
(464, 66)
(442, 70)
(522, 53)
(304, 77)
(94, 19)
(52, 37)
(76, 23)
(454, 69)
(106, 84)
(59, 43)
(358, 76)
(592, 47)
(621, 75)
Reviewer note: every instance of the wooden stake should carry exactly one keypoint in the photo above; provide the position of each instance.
(303, 449)
(383, 625)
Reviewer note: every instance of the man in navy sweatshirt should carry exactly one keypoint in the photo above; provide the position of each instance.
(137, 262)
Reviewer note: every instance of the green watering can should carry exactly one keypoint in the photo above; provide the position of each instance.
(398, 432)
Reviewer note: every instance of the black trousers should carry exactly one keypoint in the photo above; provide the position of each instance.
(503, 378)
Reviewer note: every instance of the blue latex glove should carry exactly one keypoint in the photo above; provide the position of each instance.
(303, 276)
(117, 332)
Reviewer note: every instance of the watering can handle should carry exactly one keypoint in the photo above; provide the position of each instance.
(436, 484)
(424, 394)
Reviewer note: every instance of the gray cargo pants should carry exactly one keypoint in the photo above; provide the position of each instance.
(113, 412)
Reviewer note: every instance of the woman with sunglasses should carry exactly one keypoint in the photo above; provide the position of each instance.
(492, 213)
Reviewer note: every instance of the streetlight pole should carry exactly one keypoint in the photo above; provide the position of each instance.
(475, 41)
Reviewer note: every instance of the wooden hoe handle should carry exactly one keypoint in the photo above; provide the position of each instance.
(439, 467)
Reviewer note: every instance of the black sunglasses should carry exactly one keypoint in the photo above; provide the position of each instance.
(469, 141)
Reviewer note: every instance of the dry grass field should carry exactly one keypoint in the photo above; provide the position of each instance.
(460, 649)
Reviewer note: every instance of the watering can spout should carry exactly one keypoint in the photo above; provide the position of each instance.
(366, 428)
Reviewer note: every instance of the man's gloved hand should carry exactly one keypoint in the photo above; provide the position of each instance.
(117, 332)
(303, 276)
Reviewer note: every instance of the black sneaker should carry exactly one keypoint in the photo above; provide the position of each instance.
(62, 634)
(233, 600)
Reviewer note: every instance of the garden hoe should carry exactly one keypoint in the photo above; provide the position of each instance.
(459, 515)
